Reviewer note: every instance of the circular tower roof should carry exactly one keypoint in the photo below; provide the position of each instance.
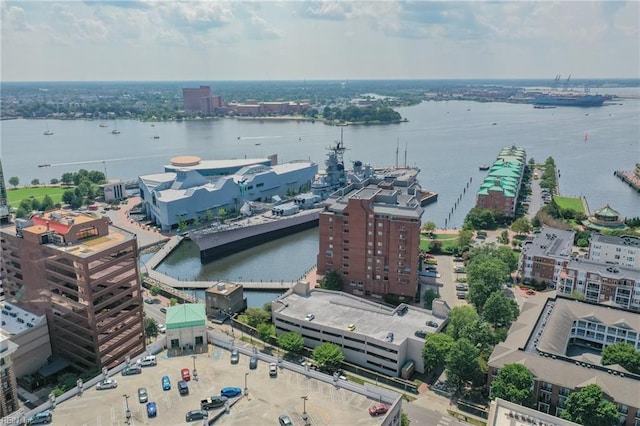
(185, 161)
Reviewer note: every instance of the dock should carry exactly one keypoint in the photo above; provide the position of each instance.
(631, 178)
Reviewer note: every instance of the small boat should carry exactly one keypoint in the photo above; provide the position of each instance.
(484, 167)
(586, 136)
(103, 125)
(115, 132)
(156, 137)
(44, 165)
(48, 132)
(258, 144)
(494, 124)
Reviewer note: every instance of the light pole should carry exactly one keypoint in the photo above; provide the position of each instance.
(304, 408)
(127, 413)
(246, 390)
(195, 372)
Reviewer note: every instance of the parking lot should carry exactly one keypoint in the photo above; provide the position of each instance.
(267, 399)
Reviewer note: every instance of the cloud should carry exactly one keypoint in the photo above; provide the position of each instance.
(326, 9)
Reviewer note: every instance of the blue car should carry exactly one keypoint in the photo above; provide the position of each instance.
(166, 383)
(230, 391)
(152, 409)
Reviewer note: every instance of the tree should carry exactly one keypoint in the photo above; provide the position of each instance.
(521, 226)
(464, 239)
(428, 297)
(589, 407)
(436, 349)
(504, 237)
(67, 178)
(624, 354)
(256, 316)
(265, 331)
(328, 356)
(173, 301)
(404, 419)
(331, 281)
(47, 203)
(291, 342)
(480, 334)
(460, 317)
(155, 290)
(485, 276)
(14, 181)
(54, 181)
(462, 362)
(515, 384)
(429, 227)
(150, 327)
(499, 310)
(35, 182)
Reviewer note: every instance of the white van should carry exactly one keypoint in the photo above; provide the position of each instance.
(148, 361)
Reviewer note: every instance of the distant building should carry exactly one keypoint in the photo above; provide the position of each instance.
(543, 257)
(623, 251)
(195, 192)
(83, 275)
(601, 283)
(374, 336)
(560, 342)
(5, 214)
(370, 235)
(224, 298)
(499, 190)
(200, 99)
(186, 327)
(253, 108)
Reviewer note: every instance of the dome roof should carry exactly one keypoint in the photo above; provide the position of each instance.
(185, 161)
(607, 211)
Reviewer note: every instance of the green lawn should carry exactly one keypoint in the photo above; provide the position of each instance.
(571, 203)
(15, 196)
(447, 240)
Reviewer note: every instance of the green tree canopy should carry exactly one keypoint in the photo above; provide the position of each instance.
(265, 331)
(14, 181)
(480, 334)
(150, 327)
(429, 226)
(486, 274)
(459, 318)
(589, 407)
(328, 355)
(436, 349)
(499, 310)
(257, 316)
(291, 342)
(624, 354)
(521, 226)
(462, 362)
(515, 384)
(331, 281)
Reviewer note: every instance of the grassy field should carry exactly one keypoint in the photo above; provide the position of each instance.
(446, 240)
(571, 203)
(15, 196)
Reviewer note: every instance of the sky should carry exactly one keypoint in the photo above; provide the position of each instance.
(147, 40)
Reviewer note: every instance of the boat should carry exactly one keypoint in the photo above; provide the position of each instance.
(44, 165)
(115, 131)
(48, 132)
(156, 137)
(570, 99)
(484, 167)
(586, 136)
(103, 124)
(228, 238)
(427, 197)
(544, 106)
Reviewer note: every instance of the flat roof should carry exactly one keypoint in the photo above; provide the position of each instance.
(338, 310)
(195, 163)
(550, 242)
(505, 413)
(16, 320)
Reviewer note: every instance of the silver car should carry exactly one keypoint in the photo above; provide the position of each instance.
(143, 396)
(107, 384)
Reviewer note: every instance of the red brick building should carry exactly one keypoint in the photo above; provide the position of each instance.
(370, 235)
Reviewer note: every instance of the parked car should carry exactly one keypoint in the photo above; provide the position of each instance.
(194, 415)
(273, 369)
(309, 317)
(186, 376)
(458, 259)
(230, 391)
(148, 361)
(285, 420)
(43, 418)
(163, 310)
(143, 396)
(378, 409)
(461, 294)
(421, 334)
(107, 384)
(131, 370)
(213, 402)
(162, 328)
(152, 409)
(235, 356)
(183, 387)
(389, 337)
(462, 287)
(253, 363)
(148, 301)
(166, 383)
(432, 324)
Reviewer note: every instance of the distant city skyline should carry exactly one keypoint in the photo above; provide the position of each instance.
(317, 40)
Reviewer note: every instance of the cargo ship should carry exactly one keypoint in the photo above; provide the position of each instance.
(228, 238)
(567, 99)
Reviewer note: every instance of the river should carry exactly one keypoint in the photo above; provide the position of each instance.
(446, 140)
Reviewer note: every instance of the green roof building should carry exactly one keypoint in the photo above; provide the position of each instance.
(186, 328)
(499, 190)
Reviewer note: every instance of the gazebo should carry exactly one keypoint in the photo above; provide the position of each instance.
(605, 218)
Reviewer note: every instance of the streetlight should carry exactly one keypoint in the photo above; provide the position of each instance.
(195, 372)
(246, 390)
(304, 408)
(128, 412)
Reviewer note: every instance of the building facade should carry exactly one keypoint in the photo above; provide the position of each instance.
(544, 256)
(370, 235)
(186, 328)
(200, 99)
(500, 188)
(601, 283)
(623, 251)
(83, 275)
(8, 387)
(559, 343)
(224, 298)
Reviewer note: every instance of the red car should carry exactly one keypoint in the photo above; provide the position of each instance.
(378, 409)
(185, 374)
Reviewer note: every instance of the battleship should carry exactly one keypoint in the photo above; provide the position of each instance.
(577, 100)
(303, 211)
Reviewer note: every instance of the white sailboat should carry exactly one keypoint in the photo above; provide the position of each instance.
(115, 131)
(48, 132)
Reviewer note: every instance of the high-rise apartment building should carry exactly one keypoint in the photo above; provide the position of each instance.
(83, 275)
(370, 235)
(4, 205)
(499, 190)
(200, 99)
(8, 388)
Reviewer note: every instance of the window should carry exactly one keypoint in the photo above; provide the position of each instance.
(259, 185)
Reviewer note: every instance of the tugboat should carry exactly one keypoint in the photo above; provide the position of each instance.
(484, 167)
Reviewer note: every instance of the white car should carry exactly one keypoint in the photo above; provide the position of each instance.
(162, 328)
(107, 384)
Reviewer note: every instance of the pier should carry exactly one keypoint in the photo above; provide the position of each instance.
(631, 178)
